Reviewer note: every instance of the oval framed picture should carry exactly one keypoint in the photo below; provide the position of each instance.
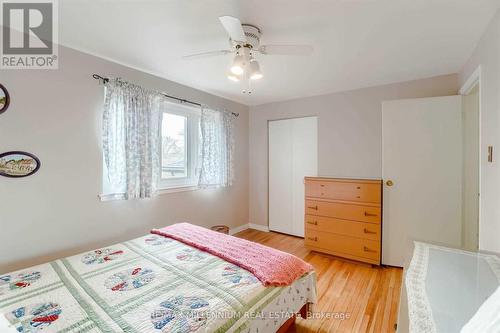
(4, 99)
(16, 164)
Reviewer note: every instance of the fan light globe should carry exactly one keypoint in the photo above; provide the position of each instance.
(257, 76)
(237, 70)
(238, 64)
(233, 77)
(255, 73)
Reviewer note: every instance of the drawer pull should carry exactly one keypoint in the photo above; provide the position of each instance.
(313, 207)
(367, 249)
(370, 214)
(366, 231)
(313, 223)
(314, 239)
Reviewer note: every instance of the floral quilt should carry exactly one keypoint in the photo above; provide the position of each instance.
(149, 284)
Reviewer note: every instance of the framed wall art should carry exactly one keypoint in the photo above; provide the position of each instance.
(16, 164)
(4, 99)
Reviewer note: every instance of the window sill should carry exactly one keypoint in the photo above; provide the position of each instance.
(168, 190)
(121, 196)
(111, 197)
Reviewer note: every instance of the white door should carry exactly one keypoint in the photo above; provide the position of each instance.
(293, 155)
(422, 157)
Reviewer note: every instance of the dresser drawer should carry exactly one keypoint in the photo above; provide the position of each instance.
(343, 211)
(340, 244)
(343, 227)
(344, 190)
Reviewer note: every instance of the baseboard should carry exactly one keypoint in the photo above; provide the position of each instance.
(254, 226)
(259, 227)
(235, 230)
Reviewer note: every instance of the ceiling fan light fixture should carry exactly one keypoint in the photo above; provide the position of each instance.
(233, 77)
(238, 65)
(237, 70)
(255, 73)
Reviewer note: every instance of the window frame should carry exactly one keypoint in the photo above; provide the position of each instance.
(193, 116)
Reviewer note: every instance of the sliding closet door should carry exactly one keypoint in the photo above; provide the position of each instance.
(304, 164)
(293, 155)
(280, 175)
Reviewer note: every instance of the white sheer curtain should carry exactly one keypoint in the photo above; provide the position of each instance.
(131, 140)
(217, 148)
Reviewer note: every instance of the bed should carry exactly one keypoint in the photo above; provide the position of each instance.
(148, 284)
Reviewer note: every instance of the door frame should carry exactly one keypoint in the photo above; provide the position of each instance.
(476, 79)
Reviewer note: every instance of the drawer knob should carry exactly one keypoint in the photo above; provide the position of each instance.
(366, 231)
(313, 207)
(370, 214)
(314, 239)
(368, 250)
(313, 223)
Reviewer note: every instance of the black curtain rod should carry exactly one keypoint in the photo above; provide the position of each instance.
(105, 79)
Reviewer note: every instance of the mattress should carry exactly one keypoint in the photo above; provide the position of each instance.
(149, 284)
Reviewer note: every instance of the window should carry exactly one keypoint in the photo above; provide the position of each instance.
(169, 154)
(174, 161)
(180, 138)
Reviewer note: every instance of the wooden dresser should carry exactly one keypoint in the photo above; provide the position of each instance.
(343, 217)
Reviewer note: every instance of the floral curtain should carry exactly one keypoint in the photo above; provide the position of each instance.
(131, 127)
(217, 148)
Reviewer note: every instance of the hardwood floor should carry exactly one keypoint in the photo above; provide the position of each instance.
(368, 296)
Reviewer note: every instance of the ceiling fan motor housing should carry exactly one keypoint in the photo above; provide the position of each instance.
(252, 33)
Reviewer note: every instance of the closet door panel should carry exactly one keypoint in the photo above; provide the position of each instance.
(293, 155)
(305, 164)
(280, 176)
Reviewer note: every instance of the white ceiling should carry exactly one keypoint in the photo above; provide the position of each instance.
(358, 43)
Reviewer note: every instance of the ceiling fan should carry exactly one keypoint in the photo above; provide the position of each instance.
(244, 42)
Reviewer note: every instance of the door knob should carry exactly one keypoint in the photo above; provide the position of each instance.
(389, 183)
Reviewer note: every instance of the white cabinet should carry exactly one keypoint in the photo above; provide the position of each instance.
(293, 155)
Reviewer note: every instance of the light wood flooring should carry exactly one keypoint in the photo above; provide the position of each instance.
(369, 295)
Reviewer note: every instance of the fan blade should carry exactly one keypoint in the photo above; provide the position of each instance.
(233, 28)
(299, 50)
(206, 54)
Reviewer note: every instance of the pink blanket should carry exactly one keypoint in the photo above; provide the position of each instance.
(270, 266)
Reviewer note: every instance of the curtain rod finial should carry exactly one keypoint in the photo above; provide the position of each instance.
(100, 78)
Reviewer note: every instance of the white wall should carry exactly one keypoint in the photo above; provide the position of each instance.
(56, 114)
(487, 54)
(349, 132)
